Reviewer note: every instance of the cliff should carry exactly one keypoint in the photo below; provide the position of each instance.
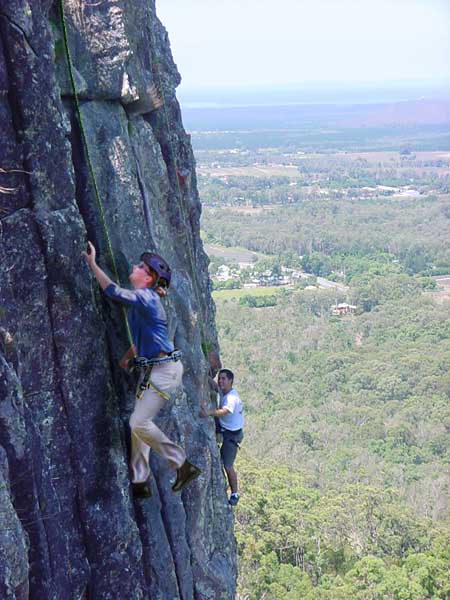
(69, 528)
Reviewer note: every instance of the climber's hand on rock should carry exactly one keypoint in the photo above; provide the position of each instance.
(124, 363)
(161, 292)
(203, 412)
(90, 255)
(213, 384)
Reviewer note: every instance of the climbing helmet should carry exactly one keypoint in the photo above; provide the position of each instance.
(159, 265)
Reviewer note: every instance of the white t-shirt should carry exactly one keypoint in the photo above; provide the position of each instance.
(234, 419)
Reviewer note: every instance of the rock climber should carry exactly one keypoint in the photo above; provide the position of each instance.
(230, 415)
(159, 363)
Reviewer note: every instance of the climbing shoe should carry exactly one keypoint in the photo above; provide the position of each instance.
(141, 490)
(185, 474)
(234, 499)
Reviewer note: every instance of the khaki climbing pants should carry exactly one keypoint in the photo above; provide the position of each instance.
(144, 433)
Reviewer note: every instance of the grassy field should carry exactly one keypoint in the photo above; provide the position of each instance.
(292, 172)
(234, 253)
(251, 171)
(236, 294)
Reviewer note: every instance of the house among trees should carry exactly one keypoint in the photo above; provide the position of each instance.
(343, 309)
(223, 273)
(269, 279)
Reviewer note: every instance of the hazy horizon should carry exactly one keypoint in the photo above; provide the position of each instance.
(313, 93)
(255, 43)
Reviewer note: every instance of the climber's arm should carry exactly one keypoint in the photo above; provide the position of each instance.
(218, 412)
(99, 275)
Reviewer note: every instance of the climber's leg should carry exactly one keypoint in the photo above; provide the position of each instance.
(144, 433)
(232, 479)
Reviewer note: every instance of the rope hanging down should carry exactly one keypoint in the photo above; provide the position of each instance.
(187, 230)
(88, 158)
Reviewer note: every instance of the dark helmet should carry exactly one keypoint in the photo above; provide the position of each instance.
(159, 265)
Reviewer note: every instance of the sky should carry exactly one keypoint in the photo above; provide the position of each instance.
(236, 43)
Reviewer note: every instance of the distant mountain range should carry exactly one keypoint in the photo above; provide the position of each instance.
(331, 104)
(293, 116)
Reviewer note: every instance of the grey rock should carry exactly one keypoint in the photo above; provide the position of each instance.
(13, 541)
(73, 530)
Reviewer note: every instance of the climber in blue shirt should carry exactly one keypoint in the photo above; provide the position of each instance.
(154, 353)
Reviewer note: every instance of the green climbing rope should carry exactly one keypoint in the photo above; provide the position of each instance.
(187, 229)
(88, 158)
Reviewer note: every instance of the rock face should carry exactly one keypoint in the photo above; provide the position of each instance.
(69, 528)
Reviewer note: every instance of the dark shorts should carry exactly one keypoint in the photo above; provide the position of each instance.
(230, 445)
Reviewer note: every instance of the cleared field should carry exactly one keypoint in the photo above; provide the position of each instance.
(253, 210)
(236, 254)
(258, 291)
(251, 171)
(292, 172)
(385, 156)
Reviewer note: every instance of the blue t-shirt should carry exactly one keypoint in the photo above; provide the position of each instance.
(147, 319)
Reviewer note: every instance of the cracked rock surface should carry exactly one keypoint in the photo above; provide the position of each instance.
(69, 529)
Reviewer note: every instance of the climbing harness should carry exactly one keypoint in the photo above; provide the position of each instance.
(147, 364)
(142, 362)
(234, 437)
(146, 384)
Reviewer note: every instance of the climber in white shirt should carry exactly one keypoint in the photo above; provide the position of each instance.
(230, 417)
